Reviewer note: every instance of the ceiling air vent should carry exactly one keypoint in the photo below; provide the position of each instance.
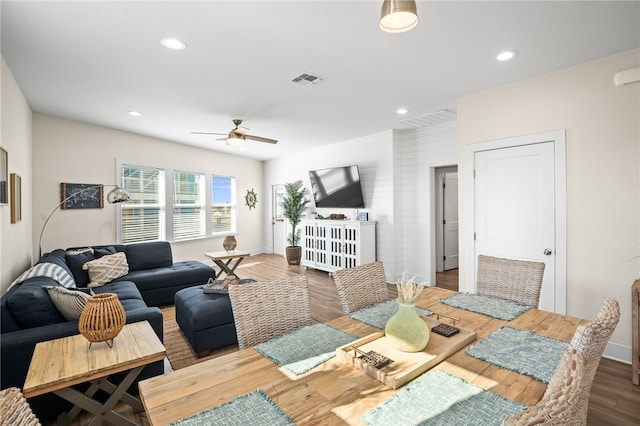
(307, 79)
(430, 119)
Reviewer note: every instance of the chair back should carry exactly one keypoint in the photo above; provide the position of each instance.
(566, 400)
(361, 286)
(559, 405)
(15, 410)
(267, 309)
(516, 280)
(590, 340)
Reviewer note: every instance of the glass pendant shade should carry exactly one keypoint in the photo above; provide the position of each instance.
(398, 16)
(235, 140)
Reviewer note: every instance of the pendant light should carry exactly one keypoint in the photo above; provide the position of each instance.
(398, 16)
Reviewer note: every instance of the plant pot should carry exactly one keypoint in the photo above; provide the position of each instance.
(294, 253)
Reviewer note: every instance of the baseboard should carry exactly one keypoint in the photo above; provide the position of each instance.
(618, 352)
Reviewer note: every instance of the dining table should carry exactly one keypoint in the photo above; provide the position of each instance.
(334, 392)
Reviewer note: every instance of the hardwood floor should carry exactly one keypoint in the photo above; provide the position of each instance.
(614, 399)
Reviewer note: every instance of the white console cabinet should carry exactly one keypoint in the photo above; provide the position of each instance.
(330, 245)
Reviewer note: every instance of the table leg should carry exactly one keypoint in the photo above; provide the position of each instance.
(224, 267)
(102, 412)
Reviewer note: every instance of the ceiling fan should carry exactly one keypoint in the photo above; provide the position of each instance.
(238, 135)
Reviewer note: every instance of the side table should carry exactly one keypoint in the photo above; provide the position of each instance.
(57, 365)
(224, 258)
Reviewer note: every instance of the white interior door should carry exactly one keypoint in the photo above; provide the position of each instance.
(278, 224)
(450, 221)
(515, 208)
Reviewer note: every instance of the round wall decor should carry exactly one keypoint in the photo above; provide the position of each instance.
(251, 199)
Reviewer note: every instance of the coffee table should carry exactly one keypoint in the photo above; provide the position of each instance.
(57, 365)
(224, 258)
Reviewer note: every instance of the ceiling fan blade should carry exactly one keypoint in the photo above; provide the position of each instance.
(207, 133)
(260, 139)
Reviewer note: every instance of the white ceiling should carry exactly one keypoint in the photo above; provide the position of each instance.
(94, 61)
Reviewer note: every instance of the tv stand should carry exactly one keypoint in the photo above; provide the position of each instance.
(330, 245)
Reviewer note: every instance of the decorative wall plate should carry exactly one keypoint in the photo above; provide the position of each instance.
(251, 199)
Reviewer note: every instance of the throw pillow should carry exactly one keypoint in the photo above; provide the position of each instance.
(75, 259)
(69, 302)
(106, 269)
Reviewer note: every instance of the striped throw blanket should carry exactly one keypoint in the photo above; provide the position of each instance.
(49, 270)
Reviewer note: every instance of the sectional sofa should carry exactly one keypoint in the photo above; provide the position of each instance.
(29, 316)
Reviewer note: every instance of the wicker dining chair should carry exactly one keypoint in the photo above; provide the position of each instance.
(267, 309)
(559, 405)
(15, 410)
(516, 280)
(566, 400)
(361, 286)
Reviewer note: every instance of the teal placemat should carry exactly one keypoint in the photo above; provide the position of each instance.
(252, 409)
(304, 349)
(496, 308)
(521, 351)
(377, 315)
(438, 398)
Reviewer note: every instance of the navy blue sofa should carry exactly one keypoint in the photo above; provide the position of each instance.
(28, 316)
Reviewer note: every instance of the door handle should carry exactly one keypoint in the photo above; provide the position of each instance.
(547, 252)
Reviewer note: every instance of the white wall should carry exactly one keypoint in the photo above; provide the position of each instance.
(396, 171)
(15, 137)
(603, 174)
(70, 151)
(418, 153)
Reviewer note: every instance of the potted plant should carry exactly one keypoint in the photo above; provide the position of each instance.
(293, 205)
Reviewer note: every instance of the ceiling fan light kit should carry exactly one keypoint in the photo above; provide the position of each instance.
(237, 136)
(235, 140)
(398, 16)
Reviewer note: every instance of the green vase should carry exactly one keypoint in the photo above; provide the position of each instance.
(406, 331)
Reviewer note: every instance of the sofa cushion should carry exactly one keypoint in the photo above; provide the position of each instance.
(70, 302)
(75, 259)
(99, 252)
(149, 255)
(126, 290)
(106, 268)
(57, 257)
(31, 305)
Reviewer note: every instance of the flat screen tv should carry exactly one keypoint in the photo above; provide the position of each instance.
(337, 187)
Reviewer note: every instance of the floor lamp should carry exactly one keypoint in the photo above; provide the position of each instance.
(116, 195)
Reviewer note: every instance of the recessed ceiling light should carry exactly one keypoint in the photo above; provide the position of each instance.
(134, 113)
(173, 43)
(402, 111)
(505, 56)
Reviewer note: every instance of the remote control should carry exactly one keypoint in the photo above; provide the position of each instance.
(445, 330)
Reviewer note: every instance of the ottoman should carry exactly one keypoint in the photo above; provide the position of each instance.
(206, 319)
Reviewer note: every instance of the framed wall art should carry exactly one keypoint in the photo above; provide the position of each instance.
(4, 176)
(81, 196)
(16, 198)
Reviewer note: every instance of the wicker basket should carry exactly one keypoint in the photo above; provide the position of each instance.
(102, 318)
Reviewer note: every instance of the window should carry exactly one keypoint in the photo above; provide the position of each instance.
(223, 204)
(179, 213)
(143, 218)
(188, 206)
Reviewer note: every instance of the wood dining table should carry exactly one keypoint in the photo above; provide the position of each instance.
(335, 393)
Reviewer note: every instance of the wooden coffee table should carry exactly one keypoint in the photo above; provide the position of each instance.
(224, 258)
(57, 365)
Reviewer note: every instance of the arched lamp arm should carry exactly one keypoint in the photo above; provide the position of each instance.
(122, 197)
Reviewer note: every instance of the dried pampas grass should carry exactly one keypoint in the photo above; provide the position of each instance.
(408, 289)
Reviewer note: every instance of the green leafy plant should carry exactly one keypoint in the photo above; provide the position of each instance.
(293, 205)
